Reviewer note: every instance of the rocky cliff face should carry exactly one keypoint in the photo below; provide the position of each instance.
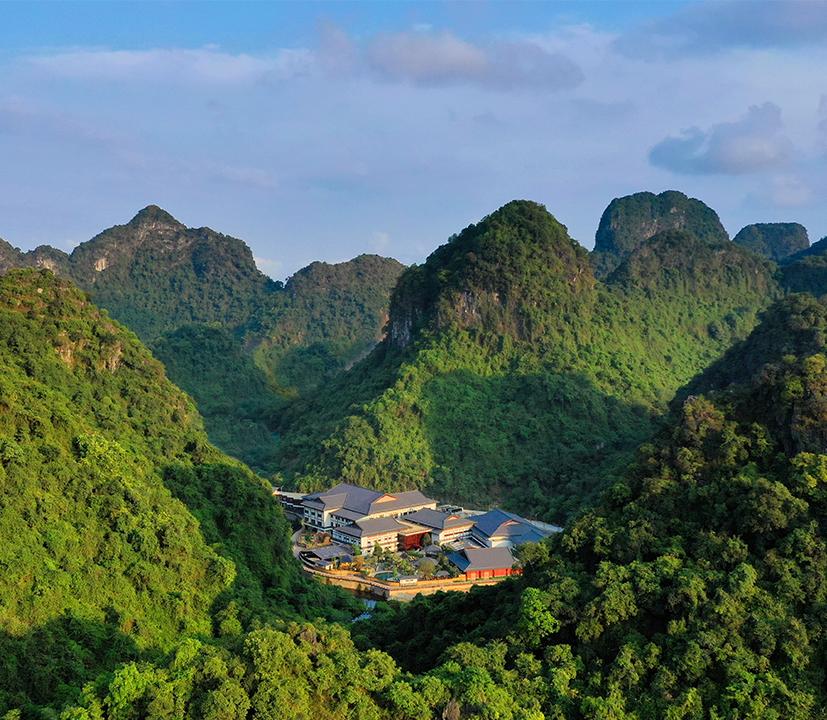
(629, 221)
(152, 231)
(10, 257)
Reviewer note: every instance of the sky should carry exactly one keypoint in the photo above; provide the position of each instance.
(319, 131)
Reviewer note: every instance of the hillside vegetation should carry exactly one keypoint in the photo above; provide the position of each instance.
(695, 588)
(510, 374)
(631, 220)
(147, 575)
(224, 329)
(123, 529)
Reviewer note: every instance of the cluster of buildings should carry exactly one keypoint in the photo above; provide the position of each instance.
(357, 517)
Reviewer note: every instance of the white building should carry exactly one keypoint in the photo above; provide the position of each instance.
(444, 527)
(346, 504)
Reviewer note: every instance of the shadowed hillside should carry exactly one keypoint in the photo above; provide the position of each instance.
(237, 341)
(510, 374)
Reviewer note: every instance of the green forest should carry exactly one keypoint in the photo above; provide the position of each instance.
(671, 410)
(223, 328)
(123, 528)
(511, 375)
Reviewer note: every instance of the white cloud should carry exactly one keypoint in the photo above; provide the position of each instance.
(415, 142)
(751, 144)
(428, 58)
(441, 58)
(207, 65)
(423, 57)
(721, 25)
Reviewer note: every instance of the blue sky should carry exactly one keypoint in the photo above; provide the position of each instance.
(323, 130)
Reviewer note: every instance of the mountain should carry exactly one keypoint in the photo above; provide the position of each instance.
(511, 375)
(224, 329)
(156, 275)
(817, 248)
(328, 317)
(123, 530)
(806, 271)
(776, 241)
(147, 575)
(10, 256)
(695, 587)
(632, 219)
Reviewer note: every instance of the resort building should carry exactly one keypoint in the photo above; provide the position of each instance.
(444, 527)
(364, 519)
(485, 563)
(388, 533)
(329, 557)
(345, 504)
(501, 529)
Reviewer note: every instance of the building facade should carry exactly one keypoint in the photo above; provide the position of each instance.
(386, 533)
(345, 504)
(485, 563)
(444, 527)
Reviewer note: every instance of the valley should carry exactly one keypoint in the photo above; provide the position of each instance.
(665, 405)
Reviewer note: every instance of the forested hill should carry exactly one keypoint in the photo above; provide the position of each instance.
(631, 220)
(777, 241)
(511, 375)
(695, 588)
(806, 271)
(190, 292)
(123, 530)
(328, 317)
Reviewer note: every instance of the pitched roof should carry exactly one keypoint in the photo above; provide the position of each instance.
(477, 559)
(438, 520)
(363, 501)
(499, 523)
(373, 526)
(331, 552)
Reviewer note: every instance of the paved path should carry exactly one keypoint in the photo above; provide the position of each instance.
(294, 541)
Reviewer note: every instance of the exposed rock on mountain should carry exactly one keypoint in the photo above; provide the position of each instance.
(510, 374)
(162, 279)
(628, 221)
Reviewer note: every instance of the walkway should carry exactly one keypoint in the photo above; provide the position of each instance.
(392, 590)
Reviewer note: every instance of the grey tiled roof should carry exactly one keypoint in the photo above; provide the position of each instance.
(437, 519)
(482, 559)
(373, 526)
(331, 552)
(363, 501)
(499, 523)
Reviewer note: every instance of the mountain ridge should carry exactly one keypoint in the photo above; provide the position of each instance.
(160, 278)
(506, 321)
